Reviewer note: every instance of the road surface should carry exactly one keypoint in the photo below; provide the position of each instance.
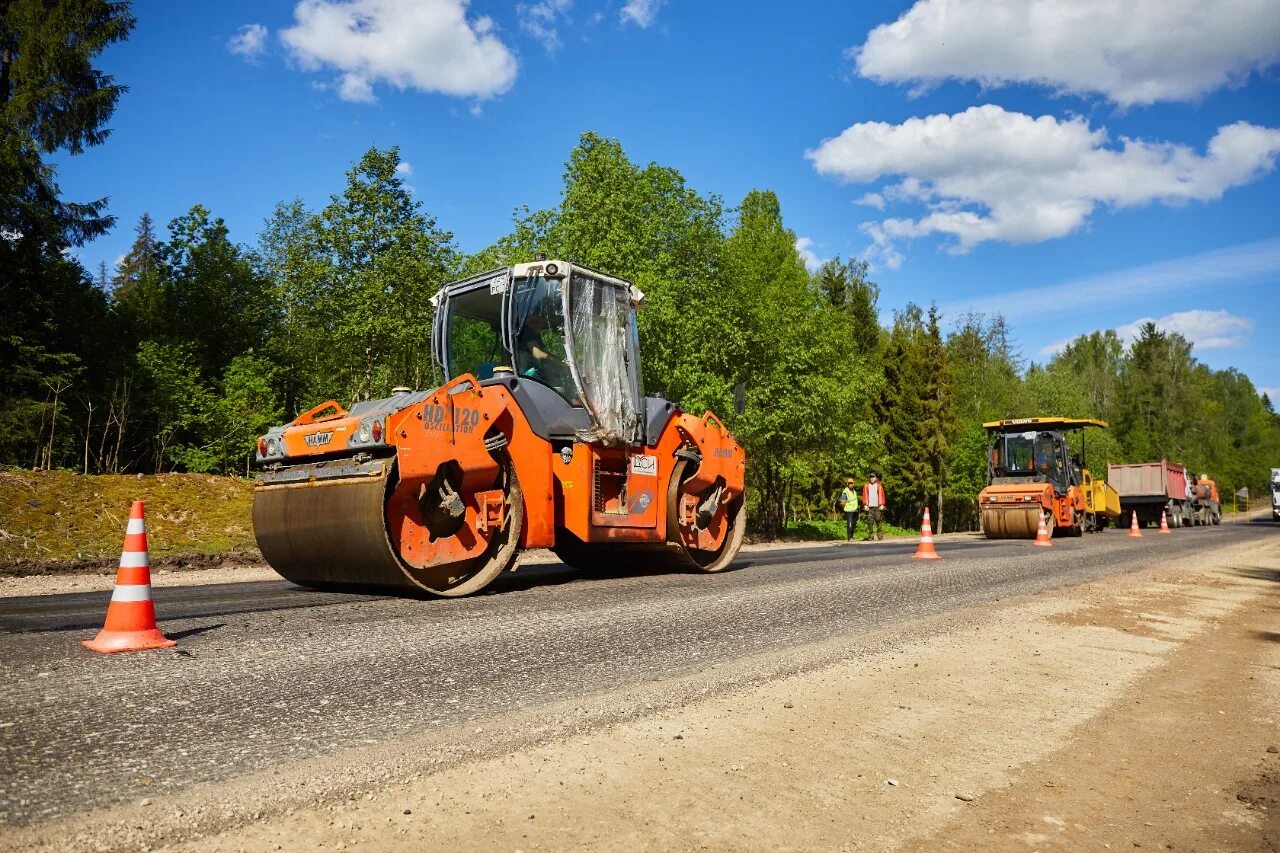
(267, 674)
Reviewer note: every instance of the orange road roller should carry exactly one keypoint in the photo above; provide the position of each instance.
(540, 437)
(1031, 472)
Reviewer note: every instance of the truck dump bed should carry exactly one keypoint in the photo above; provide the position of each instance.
(1160, 481)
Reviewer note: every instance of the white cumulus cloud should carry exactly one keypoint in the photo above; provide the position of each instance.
(426, 45)
(250, 42)
(641, 12)
(543, 19)
(1130, 51)
(990, 174)
(404, 168)
(1204, 329)
(804, 248)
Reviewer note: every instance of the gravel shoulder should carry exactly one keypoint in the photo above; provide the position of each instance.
(1133, 710)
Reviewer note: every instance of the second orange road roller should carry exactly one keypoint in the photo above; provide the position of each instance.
(1032, 472)
(540, 437)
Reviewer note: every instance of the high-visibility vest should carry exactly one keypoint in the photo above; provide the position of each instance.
(866, 500)
(849, 500)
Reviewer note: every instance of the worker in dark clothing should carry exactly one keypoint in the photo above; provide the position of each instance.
(873, 500)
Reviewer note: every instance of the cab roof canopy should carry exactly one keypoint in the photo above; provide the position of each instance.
(1042, 424)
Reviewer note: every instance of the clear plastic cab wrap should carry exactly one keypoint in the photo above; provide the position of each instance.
(603, 338)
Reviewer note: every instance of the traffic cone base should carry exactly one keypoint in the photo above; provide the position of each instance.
(1043, 540)
(925, 549)
(109, 642)
(131, 615)
(1134, 532)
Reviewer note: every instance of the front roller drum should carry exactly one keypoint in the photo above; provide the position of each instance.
(327, 527)
(428, 567)
(1011, 522)
(329, 532)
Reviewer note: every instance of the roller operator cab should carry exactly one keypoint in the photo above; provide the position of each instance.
(1031, 473)
(540, 437)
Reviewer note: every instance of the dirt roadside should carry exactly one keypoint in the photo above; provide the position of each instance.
(1133, 711)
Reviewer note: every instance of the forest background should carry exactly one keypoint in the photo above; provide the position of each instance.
(196, 342)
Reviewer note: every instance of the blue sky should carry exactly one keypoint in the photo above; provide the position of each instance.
(1074, 164)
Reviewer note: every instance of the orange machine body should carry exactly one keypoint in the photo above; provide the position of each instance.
(600, 494)
(440, 490)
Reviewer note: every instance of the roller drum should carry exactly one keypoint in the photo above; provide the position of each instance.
(1011, 522)
(329, 532)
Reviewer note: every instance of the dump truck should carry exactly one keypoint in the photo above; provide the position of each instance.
(1152, 488)
(1031, 473)
(1275, 494)
(1205, 506)
(539, 437)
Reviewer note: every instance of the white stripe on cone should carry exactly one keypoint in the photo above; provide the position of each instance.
(136, 525)
(133, 559)
(132, 592)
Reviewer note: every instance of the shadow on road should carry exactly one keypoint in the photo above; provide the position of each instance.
(191, 632)
(554, 574)
(1258, 573)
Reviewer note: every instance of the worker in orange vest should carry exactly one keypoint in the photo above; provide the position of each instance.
(873, 501)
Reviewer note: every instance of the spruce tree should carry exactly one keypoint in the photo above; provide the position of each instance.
(937, 424)
(139, 285)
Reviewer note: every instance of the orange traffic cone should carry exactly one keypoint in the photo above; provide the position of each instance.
(1164, 523)
(131, 617)
(1042, 535)
(925, 550)
(1133, 526)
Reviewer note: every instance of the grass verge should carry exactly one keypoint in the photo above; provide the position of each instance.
(73, 522)
(833, 530)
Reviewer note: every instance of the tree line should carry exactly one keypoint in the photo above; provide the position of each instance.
(196, 343)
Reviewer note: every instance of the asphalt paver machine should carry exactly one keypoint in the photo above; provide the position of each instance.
(539, 437)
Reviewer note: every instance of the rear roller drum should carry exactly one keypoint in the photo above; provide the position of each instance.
(671, 556)
(715, 560)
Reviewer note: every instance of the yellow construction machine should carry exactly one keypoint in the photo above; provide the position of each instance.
(1031, 473)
